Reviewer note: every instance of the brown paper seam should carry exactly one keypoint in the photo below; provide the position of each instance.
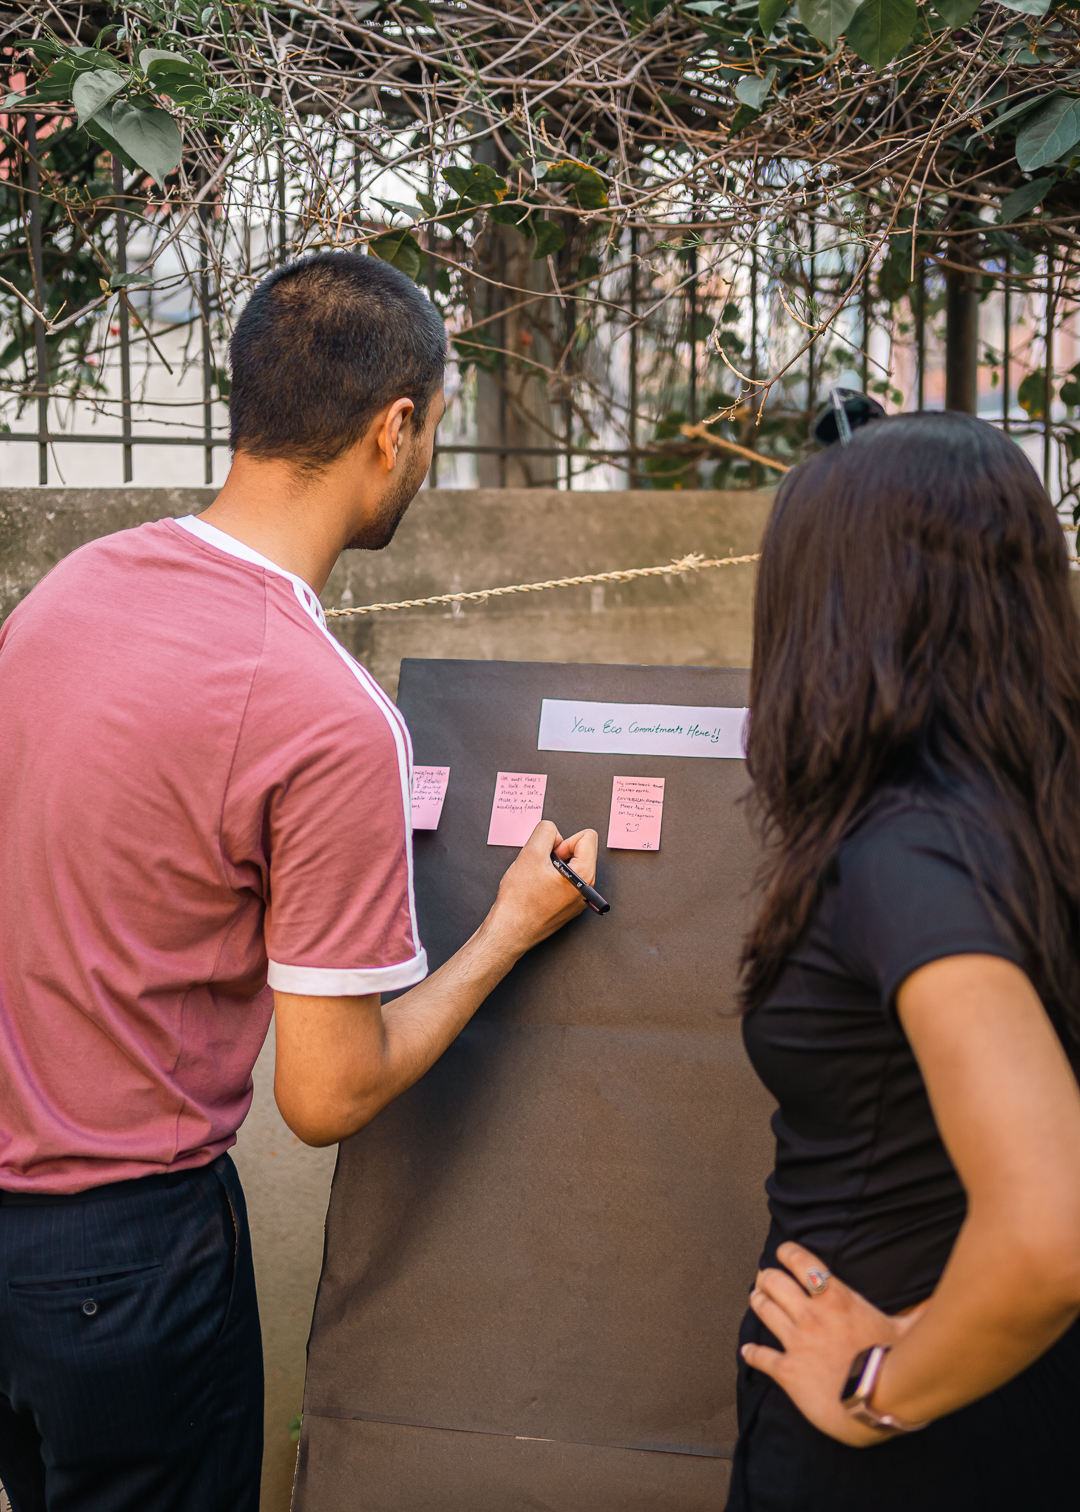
(724, 1452)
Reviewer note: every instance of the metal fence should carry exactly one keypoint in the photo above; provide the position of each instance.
(633, 456)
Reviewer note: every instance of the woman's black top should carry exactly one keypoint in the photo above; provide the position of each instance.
(862, 1177)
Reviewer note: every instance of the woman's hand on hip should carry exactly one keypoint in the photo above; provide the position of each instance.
(821, 1334)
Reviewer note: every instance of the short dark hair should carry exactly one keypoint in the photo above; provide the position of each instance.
(322, 346)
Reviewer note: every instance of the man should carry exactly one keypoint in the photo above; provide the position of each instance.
(200, 790)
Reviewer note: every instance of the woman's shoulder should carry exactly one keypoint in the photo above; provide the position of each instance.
(918, 876)
(956, 824)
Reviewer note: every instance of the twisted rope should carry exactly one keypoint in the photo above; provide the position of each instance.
(695, 562)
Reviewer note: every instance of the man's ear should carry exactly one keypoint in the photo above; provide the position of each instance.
(389, 436)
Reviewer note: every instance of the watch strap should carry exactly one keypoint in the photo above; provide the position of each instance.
(862, 1378)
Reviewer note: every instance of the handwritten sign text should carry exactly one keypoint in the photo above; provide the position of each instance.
(641, 729)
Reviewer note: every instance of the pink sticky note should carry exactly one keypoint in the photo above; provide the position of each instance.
(428, 792)
(517, 808)
(637, 809)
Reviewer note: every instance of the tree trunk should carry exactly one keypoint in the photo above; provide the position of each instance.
(962, 330)
(513, 403)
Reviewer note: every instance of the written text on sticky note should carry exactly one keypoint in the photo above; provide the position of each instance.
(517, 808)
(428, 792)
(637, 809)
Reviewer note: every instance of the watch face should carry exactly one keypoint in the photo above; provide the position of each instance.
(855, 1375)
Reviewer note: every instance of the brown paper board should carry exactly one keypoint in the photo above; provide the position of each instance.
(537, 1258)
(382, 1467)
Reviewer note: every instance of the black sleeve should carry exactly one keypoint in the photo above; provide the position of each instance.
(908, 896)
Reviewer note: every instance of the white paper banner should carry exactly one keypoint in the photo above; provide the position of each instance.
(641, 729)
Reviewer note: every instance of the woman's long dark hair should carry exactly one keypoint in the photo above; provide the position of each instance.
(913, 624)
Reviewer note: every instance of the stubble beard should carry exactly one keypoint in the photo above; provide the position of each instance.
(379, 531)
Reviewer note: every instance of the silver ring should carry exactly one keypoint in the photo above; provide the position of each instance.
(817, 1279)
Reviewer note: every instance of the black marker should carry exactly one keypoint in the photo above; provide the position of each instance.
(590, 894)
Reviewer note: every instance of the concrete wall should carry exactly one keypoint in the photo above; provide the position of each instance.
(450, 540)
(461, 539)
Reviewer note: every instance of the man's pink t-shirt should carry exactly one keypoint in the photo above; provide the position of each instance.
(197, 782)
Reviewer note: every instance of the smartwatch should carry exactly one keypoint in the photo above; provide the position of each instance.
(859, 1388)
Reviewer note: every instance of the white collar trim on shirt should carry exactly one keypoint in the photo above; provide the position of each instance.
(308, 600)
(306, 596)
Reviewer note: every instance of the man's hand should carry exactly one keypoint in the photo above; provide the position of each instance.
(341, 1060)
(534, 899)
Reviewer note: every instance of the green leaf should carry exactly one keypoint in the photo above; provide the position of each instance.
(418, 8)
(431, 206)
(480, 185)
(400, 249)
(511, 215)
(154, 60)
(1023, 261)
(1027, 7)
(587, 191)
(644, 12)
(93, 90)
(879, 30)
(752, 91)
(130, 280)
(769, 13)
(1031, 395)
(1069, 392)
(182, 89)
(412, 211)
(549, 238)
(455, 213)
(1023, 107)
(956, 13)
(96, 130)
(149, 138)
(63, 74)
(742, 117)
(1021, 200)
(43, 97)
(1050, 132)
(827, 19)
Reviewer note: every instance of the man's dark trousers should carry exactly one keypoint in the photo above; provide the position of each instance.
(130, 1353)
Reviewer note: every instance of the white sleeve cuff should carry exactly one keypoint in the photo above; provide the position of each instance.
(328, 981)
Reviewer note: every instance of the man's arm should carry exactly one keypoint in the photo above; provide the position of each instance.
(341, 1060)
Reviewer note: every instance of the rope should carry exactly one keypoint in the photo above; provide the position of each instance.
(695, 562)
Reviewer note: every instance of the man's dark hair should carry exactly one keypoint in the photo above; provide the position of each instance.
(322, 346)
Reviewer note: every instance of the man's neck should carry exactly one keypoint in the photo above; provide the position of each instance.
(300, 526)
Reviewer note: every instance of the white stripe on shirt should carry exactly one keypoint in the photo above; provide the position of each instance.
(348, 982)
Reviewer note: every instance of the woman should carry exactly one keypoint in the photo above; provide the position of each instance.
(912, 986)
